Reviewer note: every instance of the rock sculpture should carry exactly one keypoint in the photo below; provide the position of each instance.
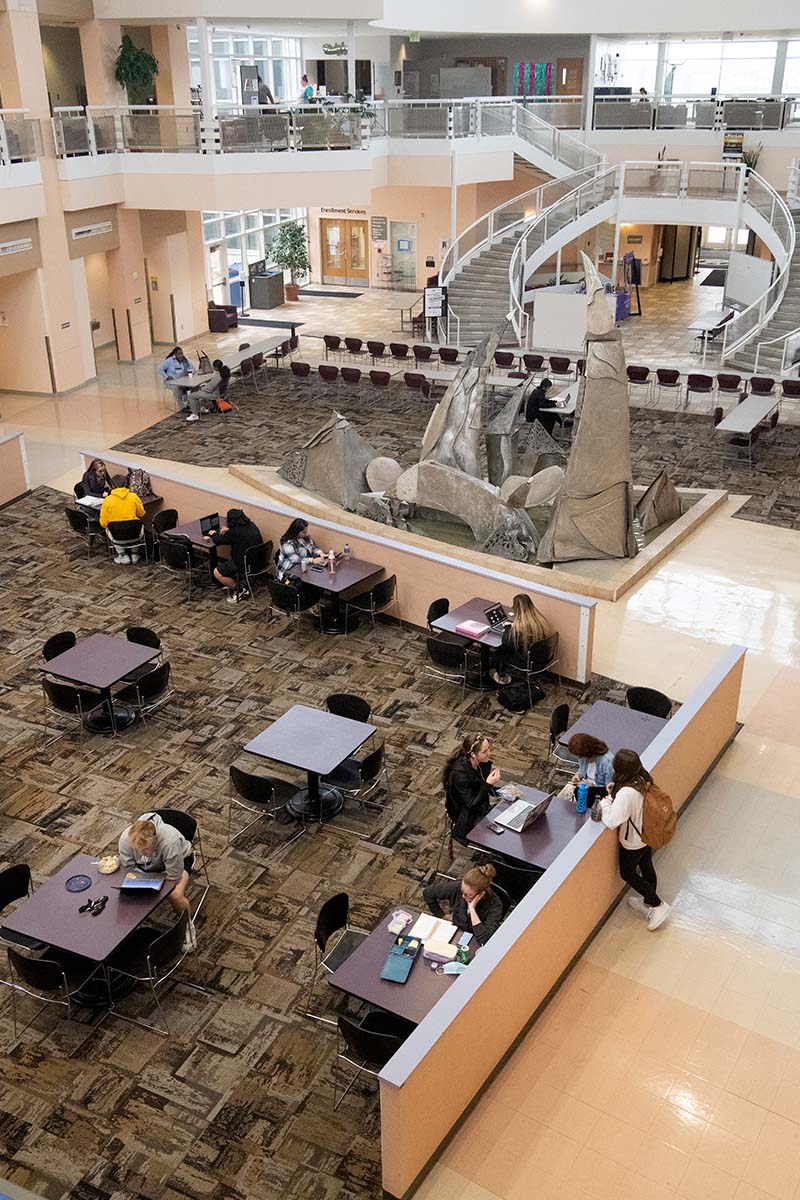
(531, 493)
(382, 472)
(473, 501)
(659, 504)
(503, 435)
(452, 436)
(593, 516)
(336, 460)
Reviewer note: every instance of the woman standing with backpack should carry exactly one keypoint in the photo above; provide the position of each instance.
(623, 809)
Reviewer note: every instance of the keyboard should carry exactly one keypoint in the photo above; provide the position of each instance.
(516, 819)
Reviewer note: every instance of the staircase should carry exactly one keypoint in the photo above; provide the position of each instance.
(479, 293)
(786, 320)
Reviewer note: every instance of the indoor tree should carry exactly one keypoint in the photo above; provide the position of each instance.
(135, 70)
(290, 253)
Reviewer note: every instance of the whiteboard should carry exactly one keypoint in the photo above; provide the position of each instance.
(748, 278)
(559, 320)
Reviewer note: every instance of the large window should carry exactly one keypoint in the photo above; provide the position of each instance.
(628, 64)
(277, 60)
(740, 68)
(791, 78)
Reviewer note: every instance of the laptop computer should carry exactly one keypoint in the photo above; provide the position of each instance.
(140, 881)
(521, 814)
(209, 524)
(496, 615)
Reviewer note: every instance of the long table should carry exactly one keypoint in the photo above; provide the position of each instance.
(261, 344)
(541, 843)
(748, 415)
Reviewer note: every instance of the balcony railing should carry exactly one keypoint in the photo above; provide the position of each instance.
(20, 137)
(696, 112)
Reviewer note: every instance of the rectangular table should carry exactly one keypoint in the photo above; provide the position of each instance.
(541, 843)
(448, 373)
(359, 976)
(474, 610)
(51, 914)
(258, 344)
(317, 742)
(100, 661)
(748, 415)
(621, 728)
(347, 574)
(703, 325)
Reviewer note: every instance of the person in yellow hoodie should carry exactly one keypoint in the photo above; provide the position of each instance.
(121, 505)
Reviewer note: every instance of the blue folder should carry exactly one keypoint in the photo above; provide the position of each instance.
(400, 959)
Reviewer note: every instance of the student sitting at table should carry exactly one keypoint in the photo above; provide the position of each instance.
(527, 627)
(121, 505)
(152, 845)
(204, 398)
(241, 534)
(470, 782)
(538, 400)
(473, 904)
(297, 546)
(96, 481)
(174, 367)
(595, 760)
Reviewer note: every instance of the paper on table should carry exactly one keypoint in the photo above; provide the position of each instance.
(428, 928)
(472, 628)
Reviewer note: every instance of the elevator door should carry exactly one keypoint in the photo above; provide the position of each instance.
(344, 252)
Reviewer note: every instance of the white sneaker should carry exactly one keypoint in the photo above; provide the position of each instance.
(190, 940)
(192, 417)
(233, 597)
(638, 905)
(658, 915)
(135, 557)
(122, 560)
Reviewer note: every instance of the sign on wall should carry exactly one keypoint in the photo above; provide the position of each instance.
(435, 301)
(18, 246)
(99, 229)
(379, 228)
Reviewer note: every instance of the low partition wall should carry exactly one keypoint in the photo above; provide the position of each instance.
(422, 574)
(14, 478)
(437, 1072)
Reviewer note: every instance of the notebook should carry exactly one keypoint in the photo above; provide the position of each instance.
(428, 928)
(472, 629)
(400, 959)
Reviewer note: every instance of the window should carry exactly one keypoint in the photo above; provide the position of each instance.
(629, 64)
(748, 67)
(277, 61)
(716, 235)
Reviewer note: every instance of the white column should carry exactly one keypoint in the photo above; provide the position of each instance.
(351, 57)
(780, 66)
(588, 83)
(661, 65)
(206, 71)
(620, 190)
(453, 200)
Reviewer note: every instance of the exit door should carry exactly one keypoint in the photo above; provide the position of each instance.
(345, 256)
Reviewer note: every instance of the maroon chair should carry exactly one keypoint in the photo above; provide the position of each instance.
(222, 317)
(398, 350)
(560, 366)
(717, 415)
(301, 370)
(248, 373)
(377, 350)
(413, 380)
(437, 389)
(746, 442)
(761, 385)
(354, 347)
(448, 354)
(669, 380)
(699, 385)
(533, 362)
(425, 388)
(768, 427)
(504, 359)
(790, 389)
(327, 373)
(729, 385)
(244, 345)
(380, 379)
(351, 376)
(518, 375)
(639, 377)
(422, 354)
(333, 344)
(580, 368)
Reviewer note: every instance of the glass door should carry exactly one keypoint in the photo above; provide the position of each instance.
(345, 256)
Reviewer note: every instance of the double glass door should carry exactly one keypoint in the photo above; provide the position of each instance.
(345, 256)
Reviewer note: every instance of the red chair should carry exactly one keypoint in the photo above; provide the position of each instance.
(761, 385)
(746, 442)
(333, 344)
(422, 354)
(717, 416)
(669, 380)
(354, 347)
(639, 377)
(518, 375)
(398, 350)
(790, 389)
(448, 354)
(352, 377)
(380, 379)
(248, 373)
(504, 359)
(377, 350)
(730, 385)
(327, 373)
(560, 366)
(699, 385)
(301, 370)
(413, 380)
(533, 362)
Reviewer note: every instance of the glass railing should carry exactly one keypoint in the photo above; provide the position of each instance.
(160, 131)
(695, 112)
(20, 137)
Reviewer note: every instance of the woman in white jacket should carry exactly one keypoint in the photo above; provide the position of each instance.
(623, 809)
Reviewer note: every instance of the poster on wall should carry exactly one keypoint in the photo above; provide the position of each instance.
(534, 79)
(248, 75)
(435, 302)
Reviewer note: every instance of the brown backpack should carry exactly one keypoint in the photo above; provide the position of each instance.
(658, 818)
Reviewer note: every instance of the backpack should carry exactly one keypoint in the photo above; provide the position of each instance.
(514, 696)
(658, 818)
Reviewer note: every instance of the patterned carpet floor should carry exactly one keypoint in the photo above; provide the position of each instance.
(237, 1102)
(271, 425)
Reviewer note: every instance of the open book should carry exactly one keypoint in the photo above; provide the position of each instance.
(428, 929)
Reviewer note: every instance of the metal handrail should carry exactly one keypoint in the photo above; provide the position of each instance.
(20, 136)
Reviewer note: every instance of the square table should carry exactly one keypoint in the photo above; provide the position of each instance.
(474, 610)
(193, 533)
(317, 742)
(542, 842)
(621, 728)
(347, 573)
(51, 915)
(100, 661)
(360, 976)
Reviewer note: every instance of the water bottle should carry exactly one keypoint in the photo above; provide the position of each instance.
(583, 796)
(347, 549)
(331, 561)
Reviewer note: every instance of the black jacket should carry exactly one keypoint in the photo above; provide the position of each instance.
(240, 539)
(469, 797)
(92, 486)
(537, 400)
(489, 907)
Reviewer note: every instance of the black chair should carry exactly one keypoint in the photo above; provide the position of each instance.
(15, 884)
(149, 691)
(47, 976)
(559, 723)
(670, 380)
(368, 1045)
(259, 794)
(542, 657)
(187, 826)
(503, 897)
(449, 354)
(290, 601)
(377, 350)
(257, 564)
(648, 700)
(70, 701)
(449, 658)
(344, 704)
(165, 520)
(87, 528)
(378, 599)
(177, 558)
(127, 536)
(333, 917)
(151, 956)
(359, 778)
(79, 491)
(140, 635)
(437, 609)
(515, 881)
(59, 643)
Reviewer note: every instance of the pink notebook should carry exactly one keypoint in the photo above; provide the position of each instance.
(474, 629)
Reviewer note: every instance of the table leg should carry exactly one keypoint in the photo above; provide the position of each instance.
(110, 717)
(334, 620)
(480, 680)
(317, 802)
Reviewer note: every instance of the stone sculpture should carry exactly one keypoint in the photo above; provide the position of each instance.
(335, 463)
(382, 472)
(452, 436)
(593, 516)
(538, 489)
(503, 437)
(659, 504)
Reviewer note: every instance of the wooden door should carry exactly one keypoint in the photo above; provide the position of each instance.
(569, 77)
(345, 251)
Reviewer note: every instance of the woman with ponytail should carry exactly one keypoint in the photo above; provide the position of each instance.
(473, 904)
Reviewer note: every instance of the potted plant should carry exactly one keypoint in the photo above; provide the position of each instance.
(135, 69)
(290, 253)
(751, 155)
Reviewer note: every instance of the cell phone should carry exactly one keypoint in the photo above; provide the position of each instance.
(465, 938)
(498, 829)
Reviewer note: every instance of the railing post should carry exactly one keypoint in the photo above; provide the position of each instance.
(450, 122)
(739, 203)
(119, 139)
(514, 115)
(90, 133)
(620, 190)
(4, 155)
(478, 119)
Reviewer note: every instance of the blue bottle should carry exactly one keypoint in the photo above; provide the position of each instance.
(583, 796)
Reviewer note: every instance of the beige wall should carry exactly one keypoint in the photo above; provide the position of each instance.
(13, 470)
(95, 243)
(171, 48)
(99, 292)
(23, 260)
(23, 355)
(172, 245)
